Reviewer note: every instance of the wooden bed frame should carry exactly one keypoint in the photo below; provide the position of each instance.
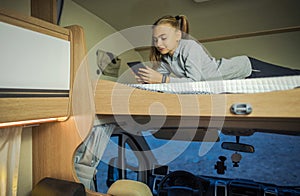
(277, 111)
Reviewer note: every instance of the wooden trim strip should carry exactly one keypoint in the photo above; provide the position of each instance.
(242, 35)
(252, 34)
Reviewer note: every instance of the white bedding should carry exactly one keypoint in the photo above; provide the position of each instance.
(253, 85)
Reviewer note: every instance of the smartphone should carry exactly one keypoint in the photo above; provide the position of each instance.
(135, 66)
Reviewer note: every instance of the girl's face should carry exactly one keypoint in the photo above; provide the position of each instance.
(165, 38)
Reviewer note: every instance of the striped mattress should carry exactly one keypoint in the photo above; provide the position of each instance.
(251, 85)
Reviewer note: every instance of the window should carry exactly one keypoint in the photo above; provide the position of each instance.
(121, 160)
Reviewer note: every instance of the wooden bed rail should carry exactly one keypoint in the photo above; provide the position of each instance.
(271, 111)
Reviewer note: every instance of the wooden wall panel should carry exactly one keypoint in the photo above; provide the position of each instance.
(54, 144)
(45, 10)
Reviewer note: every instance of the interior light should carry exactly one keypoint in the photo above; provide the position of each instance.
(30, 122)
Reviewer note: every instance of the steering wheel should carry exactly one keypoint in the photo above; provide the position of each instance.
(180, 183)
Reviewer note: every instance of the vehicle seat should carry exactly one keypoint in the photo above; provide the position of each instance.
(129, 188)
(51, 186)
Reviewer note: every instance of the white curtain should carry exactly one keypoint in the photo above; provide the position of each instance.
(10, 143)
(89, 154)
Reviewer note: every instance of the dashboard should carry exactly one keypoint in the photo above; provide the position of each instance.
(185, 183)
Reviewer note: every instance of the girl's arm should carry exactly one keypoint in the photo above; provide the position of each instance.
(150, 76)
(193, 64)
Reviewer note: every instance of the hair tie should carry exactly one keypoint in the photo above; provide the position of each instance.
(177, 17)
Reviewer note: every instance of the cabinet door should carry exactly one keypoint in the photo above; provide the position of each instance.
(35, 70)
(32, 60)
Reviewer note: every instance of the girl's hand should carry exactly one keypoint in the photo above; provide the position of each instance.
(149, 76)
(138, 79)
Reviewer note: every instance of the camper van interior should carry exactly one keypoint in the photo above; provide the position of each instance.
(74, 121)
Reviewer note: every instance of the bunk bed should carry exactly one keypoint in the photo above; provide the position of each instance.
(261, 104)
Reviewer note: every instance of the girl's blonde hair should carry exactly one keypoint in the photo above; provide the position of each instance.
(179, 22)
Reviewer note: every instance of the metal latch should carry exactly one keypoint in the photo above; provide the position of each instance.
(241, 108)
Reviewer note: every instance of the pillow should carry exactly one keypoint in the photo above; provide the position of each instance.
(108, 63)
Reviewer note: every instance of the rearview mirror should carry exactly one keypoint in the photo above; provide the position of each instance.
(238, 147)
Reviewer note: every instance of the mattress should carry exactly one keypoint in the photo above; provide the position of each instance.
(251, 85)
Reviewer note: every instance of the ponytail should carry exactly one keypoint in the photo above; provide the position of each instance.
(179, 22)
(183, 24)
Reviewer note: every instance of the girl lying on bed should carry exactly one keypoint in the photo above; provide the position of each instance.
(173, 52)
